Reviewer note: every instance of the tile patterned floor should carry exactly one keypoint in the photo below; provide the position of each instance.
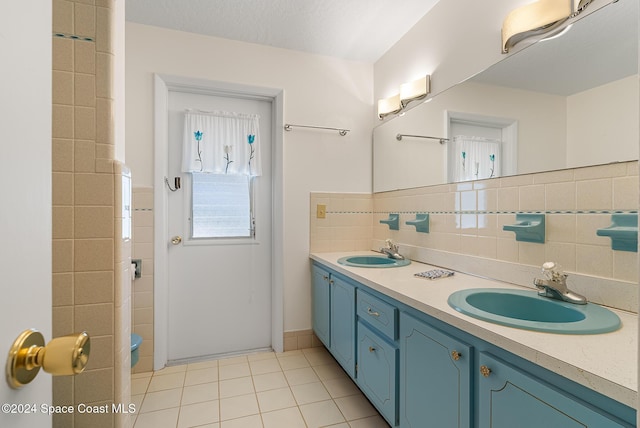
(297, 389)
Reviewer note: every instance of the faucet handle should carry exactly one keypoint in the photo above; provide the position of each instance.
(553, 271)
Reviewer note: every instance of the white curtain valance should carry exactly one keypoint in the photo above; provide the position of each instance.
(473, 158)
(221, 143)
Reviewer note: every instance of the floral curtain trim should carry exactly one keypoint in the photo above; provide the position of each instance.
(474, 158)
(221, 143)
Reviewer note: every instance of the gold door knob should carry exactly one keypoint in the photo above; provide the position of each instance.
(456, 355)
(485, 371)
(176, 240)
(66, 355)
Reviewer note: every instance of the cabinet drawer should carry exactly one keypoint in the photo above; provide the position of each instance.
(378, 314)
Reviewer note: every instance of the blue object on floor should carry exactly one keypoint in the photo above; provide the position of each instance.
(136, 341)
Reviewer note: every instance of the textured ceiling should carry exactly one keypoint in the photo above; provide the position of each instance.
(361, 30)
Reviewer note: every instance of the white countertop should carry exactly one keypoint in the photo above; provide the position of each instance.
(606, 363)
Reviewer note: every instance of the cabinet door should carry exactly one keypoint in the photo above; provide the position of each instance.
(343, 323)
(509, 398)
(435, 377)
(320, 289)
(377, 367)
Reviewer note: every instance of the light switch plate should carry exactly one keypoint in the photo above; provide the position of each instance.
(321, 211)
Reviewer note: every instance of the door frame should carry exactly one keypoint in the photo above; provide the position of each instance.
(162, 85)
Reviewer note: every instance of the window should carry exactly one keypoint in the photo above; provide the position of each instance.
(221, 206)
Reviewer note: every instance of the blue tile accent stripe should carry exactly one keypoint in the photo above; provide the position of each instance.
(74, 37)
(491, 212)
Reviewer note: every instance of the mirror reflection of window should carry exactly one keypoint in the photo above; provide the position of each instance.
(474, 158)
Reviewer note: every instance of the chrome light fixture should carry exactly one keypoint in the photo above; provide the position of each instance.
(415, 90)
(537, 19)
(387, 106)
(411, 91)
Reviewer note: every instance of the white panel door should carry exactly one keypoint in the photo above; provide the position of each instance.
(25, 213)
(219, 292)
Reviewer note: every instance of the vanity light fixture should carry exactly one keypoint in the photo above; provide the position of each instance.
(411, 91)
(416, 90)
(387, 106)
(539, 18)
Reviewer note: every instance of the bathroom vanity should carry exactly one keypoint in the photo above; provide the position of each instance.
(423, 364)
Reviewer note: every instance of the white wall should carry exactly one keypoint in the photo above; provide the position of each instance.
(318, 90)
(607, 106)
(455, 40)
(424, 162)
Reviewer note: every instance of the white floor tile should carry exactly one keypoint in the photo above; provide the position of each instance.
(196, 377)
(355, 407)
(310, 393)
(267, 381)
(293, 362)
(237, 386)
(161, 400)
(233, 360)
(318, 356)
(264, 366)
(199, 393)
(167, 381)
(170, 370)
(203, 365)
(261, 356)
(234, 370)
(370, 422)
(300, 376)
(296, 389)
(341, 387)
(321, 414)
(136, 400)
(140, 385)
(254, 421)
(141, 375)
(160, 419)
(289, 418)
(330, 371)
(199, 414)
(275, 399)
(237, 407)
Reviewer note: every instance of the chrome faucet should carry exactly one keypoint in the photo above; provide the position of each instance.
(555, 285)
(391, 250)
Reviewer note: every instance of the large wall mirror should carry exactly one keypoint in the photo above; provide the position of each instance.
(563, 103)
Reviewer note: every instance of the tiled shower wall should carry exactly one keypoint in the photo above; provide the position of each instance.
(466, 219)
(90, 256)
(142, 308)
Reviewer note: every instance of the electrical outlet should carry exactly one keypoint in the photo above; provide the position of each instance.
(321, 211)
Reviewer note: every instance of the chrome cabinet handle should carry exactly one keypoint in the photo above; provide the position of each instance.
(373, 313)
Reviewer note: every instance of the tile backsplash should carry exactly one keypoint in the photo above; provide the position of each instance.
(466, 221)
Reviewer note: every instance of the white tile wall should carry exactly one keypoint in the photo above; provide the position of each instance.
(467, 219)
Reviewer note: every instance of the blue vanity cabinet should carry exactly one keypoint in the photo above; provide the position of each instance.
(343, 323)
(334, 315)
(377, 372)
(320, 289)
(508, 398)
(420, 372)
(435, 377)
